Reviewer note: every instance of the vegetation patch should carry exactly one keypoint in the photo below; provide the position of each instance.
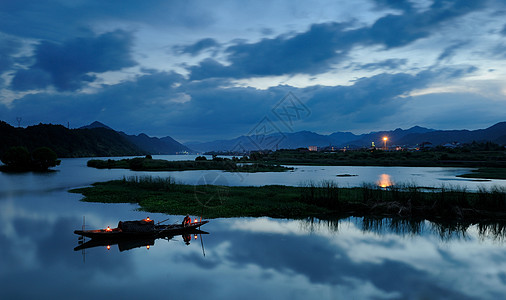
(489, 173)
(149, 164)
(19, 159)
(311, 200)
(480, 155)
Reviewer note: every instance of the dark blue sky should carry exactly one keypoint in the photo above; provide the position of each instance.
(200, 72)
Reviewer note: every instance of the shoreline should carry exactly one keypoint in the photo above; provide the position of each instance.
(248, 166)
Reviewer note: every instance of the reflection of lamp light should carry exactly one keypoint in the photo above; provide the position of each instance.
(384, 181)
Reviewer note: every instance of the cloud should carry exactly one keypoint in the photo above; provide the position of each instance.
(198, 47)
(60, 20)
(33, 79)
(402, 5)
(209, 109)
(449, 51)
(309, 52)
(450, 111)
(8, 47)
(389, 64)
(68, 66)
(324, 45)
(500, 50)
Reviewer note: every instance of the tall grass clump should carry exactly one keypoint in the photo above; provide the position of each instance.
(151, 183)
(493, 198)
(371, 193)
(325, 194)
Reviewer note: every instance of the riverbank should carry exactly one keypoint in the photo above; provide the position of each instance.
(149, 164)
(313, 200)
(486, 173)
(374, 157)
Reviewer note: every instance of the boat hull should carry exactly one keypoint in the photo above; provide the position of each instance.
(158, 231)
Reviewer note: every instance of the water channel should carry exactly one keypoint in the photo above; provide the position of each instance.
(243, 258)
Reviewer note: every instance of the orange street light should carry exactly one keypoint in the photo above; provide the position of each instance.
(385, 139)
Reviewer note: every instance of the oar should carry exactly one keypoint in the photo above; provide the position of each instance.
(202, 243)
(162, 221)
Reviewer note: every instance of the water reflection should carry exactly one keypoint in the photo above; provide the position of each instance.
(384, 181)
(446, 231)
(366, 263)
(245, 258)
(132, 243)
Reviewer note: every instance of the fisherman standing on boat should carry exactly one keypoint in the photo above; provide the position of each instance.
(187, 220)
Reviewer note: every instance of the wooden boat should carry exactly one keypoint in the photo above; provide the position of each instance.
(141, 228)
(132, 242)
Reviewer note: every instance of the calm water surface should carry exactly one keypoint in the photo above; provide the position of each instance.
(245, 258)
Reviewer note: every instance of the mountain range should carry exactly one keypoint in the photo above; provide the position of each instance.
(410, 137)
(98, 139)
(92, 140)
(151, 145)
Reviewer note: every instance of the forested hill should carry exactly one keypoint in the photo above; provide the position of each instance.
(68, 142)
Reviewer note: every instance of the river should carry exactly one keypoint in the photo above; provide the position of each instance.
(242, 258)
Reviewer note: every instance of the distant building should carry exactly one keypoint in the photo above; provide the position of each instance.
(312, 148)
(451, 145)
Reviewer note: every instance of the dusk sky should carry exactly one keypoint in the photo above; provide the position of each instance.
(206, 70)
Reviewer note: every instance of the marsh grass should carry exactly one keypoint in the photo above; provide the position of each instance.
(311, 199)
(408, 200)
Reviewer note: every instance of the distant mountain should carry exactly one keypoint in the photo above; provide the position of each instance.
(495, 133)
(154, 145)
(409, 137)
(303, 139)
(395, 137)
(151, 145)
(66, 142)
(92, 140)
(96, 124)
(272, 141)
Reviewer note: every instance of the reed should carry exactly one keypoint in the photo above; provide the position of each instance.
(311, 199)
(152, 183)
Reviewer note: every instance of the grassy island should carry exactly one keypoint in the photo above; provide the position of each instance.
(313, 200)
(149, 164)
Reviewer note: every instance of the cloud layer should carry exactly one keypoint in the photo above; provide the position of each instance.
(205, 72)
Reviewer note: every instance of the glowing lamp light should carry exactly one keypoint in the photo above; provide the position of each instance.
(147, 247)
(195, 236)
(195, 220)
(385, 139)
(108, 247)
(147, 219)
(108, 229)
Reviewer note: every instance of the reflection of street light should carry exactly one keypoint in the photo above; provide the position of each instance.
(384, 181)
(385, 139)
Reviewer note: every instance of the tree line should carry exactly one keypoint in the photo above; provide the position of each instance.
(18, 158)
